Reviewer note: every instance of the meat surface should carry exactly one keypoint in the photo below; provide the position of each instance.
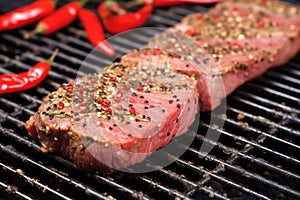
(116, 118)
(242, 38)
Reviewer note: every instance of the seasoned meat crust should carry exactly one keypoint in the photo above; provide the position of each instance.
(115, 119)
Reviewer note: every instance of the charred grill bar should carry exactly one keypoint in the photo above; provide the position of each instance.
(256, 157)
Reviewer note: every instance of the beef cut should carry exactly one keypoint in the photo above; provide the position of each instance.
(116, 118)
(242, 38)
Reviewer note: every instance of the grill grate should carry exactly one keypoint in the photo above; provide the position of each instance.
(257, 157)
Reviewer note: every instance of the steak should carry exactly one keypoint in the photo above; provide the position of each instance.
(116, 118)
(242, 38)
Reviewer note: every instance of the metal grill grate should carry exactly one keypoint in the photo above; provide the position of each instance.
(257, 157)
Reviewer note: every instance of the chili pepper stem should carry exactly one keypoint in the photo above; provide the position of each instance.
(54, 54)
(82, 2)
(131, 4)
(55, 2)
(109, 3)
(38, 30)
(114, 7)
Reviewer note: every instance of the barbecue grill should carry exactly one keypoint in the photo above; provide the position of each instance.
(256, 157)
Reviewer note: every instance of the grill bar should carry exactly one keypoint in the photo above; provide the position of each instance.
(269, 111)
(85, 189)
(280, 85)
(254, 176)
(260, 162)
(6, 169)
(264, 134)
(239, 170)
(265, 122)
(11, 189)
(88, 190)
(283, 156)
(225, 181)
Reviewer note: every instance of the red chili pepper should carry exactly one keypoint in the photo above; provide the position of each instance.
(162, 3)
(94, 31)
(26, 14)
(119, 23)
(26, 80)
(59, 19)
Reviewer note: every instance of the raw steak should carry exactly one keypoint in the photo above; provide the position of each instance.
(115, 119)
